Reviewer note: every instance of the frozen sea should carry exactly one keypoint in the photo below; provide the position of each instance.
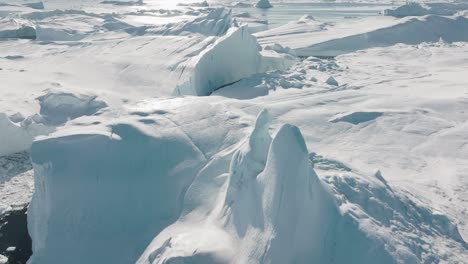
(283, 13)
(157, 132)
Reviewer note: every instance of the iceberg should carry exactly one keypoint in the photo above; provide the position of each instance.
(59, 107)
(263, 4)
(16, 138)
(231, 58)
(156, 132)
(35, 5)
(16, 29)
(215, 23)
(195, 196)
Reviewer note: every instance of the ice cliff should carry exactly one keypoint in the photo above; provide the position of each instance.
(229, 59)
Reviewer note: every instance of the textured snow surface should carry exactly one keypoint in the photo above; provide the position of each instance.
(261, 202)
(161, 155)
(138, 63)
(165, 132)
(325, 39)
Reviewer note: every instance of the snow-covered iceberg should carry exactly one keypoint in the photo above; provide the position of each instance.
(191, 64)
(231, 58)
(149, 155)
(17, 137)
(56, 108)
(189, 188)
(215, 23)
(35, 5)
(59, 107)
(272, 209)
(16, 28)
(263, 4)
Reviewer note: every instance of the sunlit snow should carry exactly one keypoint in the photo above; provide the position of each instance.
(151, 131)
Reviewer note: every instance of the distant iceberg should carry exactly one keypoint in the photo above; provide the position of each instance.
(263, 4)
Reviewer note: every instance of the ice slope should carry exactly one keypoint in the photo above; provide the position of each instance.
(219, 195)
(401, 109)
(158, 157)
(216, 23)
(273, 207)
(292, 33)
(349, 36)
(306, 30)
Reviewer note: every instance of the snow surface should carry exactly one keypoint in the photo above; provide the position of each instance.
(325, 39)
(144, 136)
(261, 200)
(355, 156)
